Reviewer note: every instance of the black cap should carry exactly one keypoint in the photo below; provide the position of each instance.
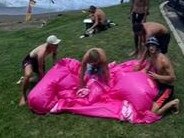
(153, 41)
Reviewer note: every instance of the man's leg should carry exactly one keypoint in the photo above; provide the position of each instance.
(135, 52)
(28, 17)
(163, 96)
(155, 107)
(135, 20)
(27, 75)
(162, 110)
(136, 39)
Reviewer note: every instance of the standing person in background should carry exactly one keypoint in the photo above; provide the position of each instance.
(97, 22)
(35, 62)
(29, 10)
(138, 12)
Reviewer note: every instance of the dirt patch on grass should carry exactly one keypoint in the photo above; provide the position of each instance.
(17, 22)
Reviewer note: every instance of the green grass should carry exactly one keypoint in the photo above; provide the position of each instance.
(18, 121)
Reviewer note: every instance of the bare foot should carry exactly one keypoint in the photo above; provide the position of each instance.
(22, 101)
(176, 106)
(20, 80)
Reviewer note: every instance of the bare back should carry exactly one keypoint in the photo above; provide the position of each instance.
(154, 29)
(100, 15)
(140, 6)
(40, 51)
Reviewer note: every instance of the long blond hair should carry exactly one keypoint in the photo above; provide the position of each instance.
(96, 55)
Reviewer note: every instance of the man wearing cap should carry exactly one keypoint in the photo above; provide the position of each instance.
(148, 29)
(34, 62)
(161, 70)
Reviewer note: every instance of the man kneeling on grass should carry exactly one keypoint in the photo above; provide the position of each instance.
(97, 22)
(34, 62)
(161, 70)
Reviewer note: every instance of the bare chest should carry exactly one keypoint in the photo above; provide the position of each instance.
(158, 67)
(139, 3)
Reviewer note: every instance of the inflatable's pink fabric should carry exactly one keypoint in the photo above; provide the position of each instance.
(128, 97)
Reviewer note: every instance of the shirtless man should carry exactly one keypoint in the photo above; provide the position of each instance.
(99, 19)
(94, 62)
(138, 11)
(148, 29)
(161, 70)
(34, 62)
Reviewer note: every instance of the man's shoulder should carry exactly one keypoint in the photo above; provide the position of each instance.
(146, 24)
(43, 45)
(150, 23)
(99, 11)
(42, 48)
(163, 59)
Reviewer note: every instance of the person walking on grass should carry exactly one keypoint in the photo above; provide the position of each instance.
(35, 62)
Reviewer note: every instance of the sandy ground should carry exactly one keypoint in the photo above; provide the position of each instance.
(16, 22)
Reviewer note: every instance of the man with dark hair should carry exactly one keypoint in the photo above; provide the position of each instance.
(160, 69)
(97, 22)
(148, 29)
(92, 8)
(98, 18)
(139, 11)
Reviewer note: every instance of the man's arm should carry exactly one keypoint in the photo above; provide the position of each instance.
(143, 39)
(83, 69)
(146, 10)
(105, 69)
(54, 57)
(132, 5)
(96, 21)
(169, 78)
(140, 65)
(40, 65)
(147, 7)
(106, 73)
(82, 73)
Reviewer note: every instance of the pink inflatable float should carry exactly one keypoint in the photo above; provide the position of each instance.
(128, 97)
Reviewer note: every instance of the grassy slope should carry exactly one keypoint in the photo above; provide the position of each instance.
(20, 122)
